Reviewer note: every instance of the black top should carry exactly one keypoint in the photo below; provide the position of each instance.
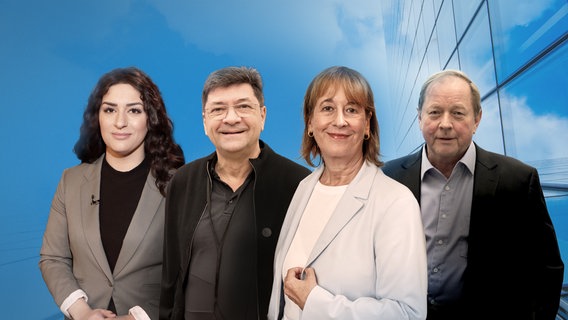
(119, 196)
(222, 272)
(275, 181)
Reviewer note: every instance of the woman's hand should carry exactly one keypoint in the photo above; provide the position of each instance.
(298, 288)
(80, 310)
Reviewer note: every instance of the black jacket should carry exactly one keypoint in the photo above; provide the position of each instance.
(514, 269)
(276, 179)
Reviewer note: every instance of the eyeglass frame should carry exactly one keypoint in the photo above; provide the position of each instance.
(224, 110)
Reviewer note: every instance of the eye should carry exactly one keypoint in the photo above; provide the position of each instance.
(353, 109)
(217, 110)
(108, 109)
(459, 113)
(327, 108)
(243, 107)
(136, 110)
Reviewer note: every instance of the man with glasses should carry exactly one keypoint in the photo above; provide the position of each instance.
(224, 211)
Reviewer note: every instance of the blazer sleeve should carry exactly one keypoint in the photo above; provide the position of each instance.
(55, 255)
(551, 266)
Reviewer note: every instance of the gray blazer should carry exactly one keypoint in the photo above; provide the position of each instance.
(72, 255)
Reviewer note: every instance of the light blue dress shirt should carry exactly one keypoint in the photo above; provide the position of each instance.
(445, 205)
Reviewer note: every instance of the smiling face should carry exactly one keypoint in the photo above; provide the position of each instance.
(123, 123)
(339, 127)
(233, 120)
(448, 120)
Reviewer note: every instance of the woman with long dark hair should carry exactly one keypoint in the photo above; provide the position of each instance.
(102, 248)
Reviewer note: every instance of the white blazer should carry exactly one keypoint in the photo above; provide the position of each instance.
(370, 259)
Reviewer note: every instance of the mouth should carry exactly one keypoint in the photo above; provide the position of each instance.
(121, 136)
(231, 132)
(338, 135)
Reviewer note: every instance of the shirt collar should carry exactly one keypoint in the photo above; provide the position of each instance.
(468, 160)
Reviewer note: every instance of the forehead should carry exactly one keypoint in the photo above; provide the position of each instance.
(236, 93)
(336, 89)
(122, 89)
(448, 89)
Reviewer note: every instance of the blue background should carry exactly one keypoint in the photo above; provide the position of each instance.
(53, 52)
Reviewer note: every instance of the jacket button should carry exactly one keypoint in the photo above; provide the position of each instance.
(266, 232)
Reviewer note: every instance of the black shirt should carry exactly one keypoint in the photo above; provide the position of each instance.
(119, 196)
(222, 272)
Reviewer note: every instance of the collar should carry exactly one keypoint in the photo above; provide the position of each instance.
(468, 160)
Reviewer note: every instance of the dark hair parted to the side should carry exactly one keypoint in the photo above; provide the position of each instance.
(358, 90)
(159, 144)
(229, 76)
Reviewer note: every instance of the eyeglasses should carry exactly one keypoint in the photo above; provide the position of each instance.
(220, 112)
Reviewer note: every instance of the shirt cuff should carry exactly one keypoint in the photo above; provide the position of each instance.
(138, 313)
(74, 296)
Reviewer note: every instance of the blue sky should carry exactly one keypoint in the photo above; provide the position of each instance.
(52, 54)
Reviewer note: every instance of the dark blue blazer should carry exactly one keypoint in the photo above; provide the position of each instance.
(514, 269)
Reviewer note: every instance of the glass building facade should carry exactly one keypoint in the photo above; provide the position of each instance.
(517, 54)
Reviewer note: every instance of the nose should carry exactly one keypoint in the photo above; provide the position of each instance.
(445, 121)
(120, 120)
(340, 119)
(231, 115)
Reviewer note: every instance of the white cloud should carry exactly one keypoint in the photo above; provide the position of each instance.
(525, 11)
(319, 30)
(535, 136)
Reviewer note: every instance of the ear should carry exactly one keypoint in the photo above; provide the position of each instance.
(204, 126)
(263, 117)
(477, 120)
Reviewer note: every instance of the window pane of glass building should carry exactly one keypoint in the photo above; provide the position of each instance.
(521, 36)
(517, 54)
(445, 35)
(464, 11)
(475, 54)
(489, 134)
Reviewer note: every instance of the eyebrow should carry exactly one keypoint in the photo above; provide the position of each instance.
(112, 104)
(239, 101)
(349, 102)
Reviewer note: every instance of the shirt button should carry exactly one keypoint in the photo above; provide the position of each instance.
(266, 232)
(435, 270)
(447, 188)
(444, 215)
(440, 241)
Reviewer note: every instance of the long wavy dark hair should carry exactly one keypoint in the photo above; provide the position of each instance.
(165, 154)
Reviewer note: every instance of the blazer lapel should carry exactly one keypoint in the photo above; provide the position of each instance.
(349, 205)
(484, 182)
(90, 191)
(147, 208)
(411, 177)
